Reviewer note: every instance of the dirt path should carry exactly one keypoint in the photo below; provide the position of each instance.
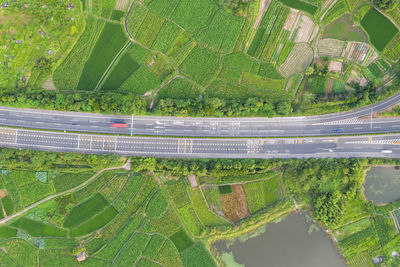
(3, 221)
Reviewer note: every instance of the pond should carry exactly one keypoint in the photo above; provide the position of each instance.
(382, 185)
(292, 242)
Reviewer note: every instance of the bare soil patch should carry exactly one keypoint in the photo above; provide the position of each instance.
(291, 20)
(193, 181)
(3, 193)
(306, 30)
(298, 60)
(330, 47)
(49, 84)
(335, 66)
(234, 205)
(329, 86)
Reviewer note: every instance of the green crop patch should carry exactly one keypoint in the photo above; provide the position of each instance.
(149, 29)
(140, 82)
(166, 37)
(301, 5)
(39, 229)
(225, 189)
(268, 70)
(240, 61)
(117, 14)
(200, 65)
(192, 21)
(132, 250)
(7, 232)
(178, 88)
(110, 42)
(35, 191)
(154, 246)
(8, 205)
(163, 8)
(95, 222)
(197, 256)
(157, 206)
(85, 210)
(181, 240)
(222, 33)
(255, 43)
(125, 67)
(64, 181)
(179, 194)
(373, 22)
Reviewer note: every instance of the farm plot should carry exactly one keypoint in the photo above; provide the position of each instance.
(222, 33)
(163, 8)
(344, 29)
(140, 82)
(373, 22)
(200, 65)
(234, 205)
(335, 12)
(305, 30)
(260, 194)
(212, 196)
(39, 229)
(298, 60)
(197, 256)
(149, 29)
(123, 69)
(392, 50)
(194, 15)
(357, 52)
(301, 5)
(330, 47)
(110, 42)
(168, 33)
(261, 83)
(178, 88)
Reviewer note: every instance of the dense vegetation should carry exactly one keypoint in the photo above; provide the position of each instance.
(209, 58)
(152, 213)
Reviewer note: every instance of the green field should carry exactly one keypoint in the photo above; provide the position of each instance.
(301, 5)
(110, 42)
(373, 22)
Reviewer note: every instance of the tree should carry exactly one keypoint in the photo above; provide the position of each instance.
(328, 208)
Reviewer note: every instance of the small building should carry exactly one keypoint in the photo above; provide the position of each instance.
(81, 256)
(5, 4)
(50, 52)
(377, 260)
(42, 33)
(70, 6)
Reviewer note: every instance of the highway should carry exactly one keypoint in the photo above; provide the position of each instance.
(347, 123)
(316, 147)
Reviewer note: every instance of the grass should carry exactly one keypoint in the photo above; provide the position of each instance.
(39, 229)
(20, 253)
(35, 191)
(200, 65)
(212, 196)
(225, 189)
(157, 206)
(132, 186)
(343, 29)
(110, 42)
(255, 196)
(123, 69)
(181, 240)
(301, 5)
(373, 22)
(271, 189)
(197, 255)
(56, 257)
(166, 225)
(95, 222)
(318, 84)
(85, 210)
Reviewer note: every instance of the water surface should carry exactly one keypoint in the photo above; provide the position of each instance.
(382, 185)
(292, 242)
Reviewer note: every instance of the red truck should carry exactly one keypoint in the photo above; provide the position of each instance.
(119, 125)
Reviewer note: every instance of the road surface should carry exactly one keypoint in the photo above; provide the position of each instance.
(318, 147)
(346, 123)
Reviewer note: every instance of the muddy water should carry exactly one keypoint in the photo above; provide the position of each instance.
(382, 185)
(291, 242)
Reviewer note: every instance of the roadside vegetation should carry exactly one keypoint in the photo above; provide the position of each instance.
(214, 57)
(152, 213)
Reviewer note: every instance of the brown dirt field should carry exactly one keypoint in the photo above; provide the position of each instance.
(291, 20)
(306, 29)
(329, 86)
(234, 205)
(335, 66)
(3, 193)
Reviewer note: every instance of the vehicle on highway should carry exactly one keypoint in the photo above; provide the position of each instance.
(386, 151)
(119, 125)
(337, 130)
